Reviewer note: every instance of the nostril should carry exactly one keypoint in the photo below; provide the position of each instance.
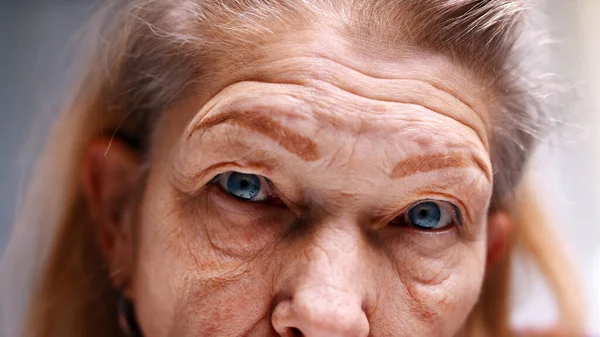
(295, 332)
(320, 312)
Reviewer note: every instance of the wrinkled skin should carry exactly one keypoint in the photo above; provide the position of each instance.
(351, 135)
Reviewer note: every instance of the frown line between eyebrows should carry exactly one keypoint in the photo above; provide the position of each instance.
(259, 121)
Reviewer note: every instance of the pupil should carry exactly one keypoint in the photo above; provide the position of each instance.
(425, 215)
(244, 186)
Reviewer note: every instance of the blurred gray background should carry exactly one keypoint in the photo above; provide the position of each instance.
(38, 50)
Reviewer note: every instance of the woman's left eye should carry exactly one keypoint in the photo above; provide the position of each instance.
(430, 215)
(249, 187)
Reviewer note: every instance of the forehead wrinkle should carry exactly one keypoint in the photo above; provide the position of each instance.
(319, 99)
(433, 82)
(438, 161)
(384, 60)
(324, 73)
(259, 121)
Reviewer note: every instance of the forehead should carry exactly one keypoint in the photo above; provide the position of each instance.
(321, 70)
(373, 70)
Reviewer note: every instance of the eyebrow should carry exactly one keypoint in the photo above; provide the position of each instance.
(307, 150)
(259, 121)
(438, 161)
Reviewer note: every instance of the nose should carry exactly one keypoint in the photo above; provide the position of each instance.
(320, 312)
(326, 290)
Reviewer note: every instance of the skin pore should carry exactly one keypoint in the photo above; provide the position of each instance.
(346, 136)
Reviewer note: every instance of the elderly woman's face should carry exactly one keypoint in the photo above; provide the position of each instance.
(333, 189)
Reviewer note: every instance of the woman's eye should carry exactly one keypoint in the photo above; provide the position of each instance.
(429, 215)
(250, 187)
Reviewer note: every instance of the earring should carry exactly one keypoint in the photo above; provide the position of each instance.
(127, 320)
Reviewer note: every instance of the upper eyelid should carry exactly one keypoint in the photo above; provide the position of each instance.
(222, 168)
(217, 175)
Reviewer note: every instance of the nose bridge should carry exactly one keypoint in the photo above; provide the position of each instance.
(333, 254)
(329, 290)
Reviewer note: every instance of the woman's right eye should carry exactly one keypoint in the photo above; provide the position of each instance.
(248, 187)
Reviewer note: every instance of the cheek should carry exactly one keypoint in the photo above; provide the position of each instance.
(196, 274)
(231, 305)
(432, 291)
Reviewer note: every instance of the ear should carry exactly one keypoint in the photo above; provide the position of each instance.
(498, 236)
(111, 175)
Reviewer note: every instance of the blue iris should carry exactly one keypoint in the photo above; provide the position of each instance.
(243, 186)
(425, 215)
